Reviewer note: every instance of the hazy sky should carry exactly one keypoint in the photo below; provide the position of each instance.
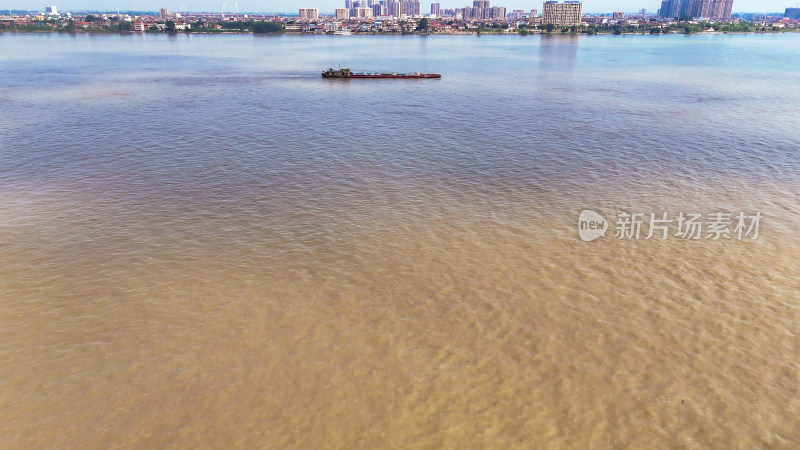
(329, 5)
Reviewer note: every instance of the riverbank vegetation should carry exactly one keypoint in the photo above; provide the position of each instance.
(91, 24)
(667, 28)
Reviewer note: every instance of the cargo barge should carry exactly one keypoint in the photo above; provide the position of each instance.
(347, 73)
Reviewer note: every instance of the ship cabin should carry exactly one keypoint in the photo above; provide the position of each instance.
(340, 73)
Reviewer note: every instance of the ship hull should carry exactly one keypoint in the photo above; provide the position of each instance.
(383, 75)
(422, 75)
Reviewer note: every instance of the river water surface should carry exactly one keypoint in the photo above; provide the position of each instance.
(205, 244)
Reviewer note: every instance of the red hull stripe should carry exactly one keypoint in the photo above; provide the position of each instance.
(425, 75)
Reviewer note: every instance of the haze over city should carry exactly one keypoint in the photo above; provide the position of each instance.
(329, 5)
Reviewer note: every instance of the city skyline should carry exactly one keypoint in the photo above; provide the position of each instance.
(329, 6)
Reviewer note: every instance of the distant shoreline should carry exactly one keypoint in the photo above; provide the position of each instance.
(447, 33)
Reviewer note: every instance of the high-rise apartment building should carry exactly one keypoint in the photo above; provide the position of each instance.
(436, 9)
(562, 14)
(792, 13)
(481, 9)
(342, 13)
(477, 10)
(166, 15)
(393, 8)
(410, 7)
(666, 9)
(309, 13)
(498, 12)
(710, 9)
(362, 12)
